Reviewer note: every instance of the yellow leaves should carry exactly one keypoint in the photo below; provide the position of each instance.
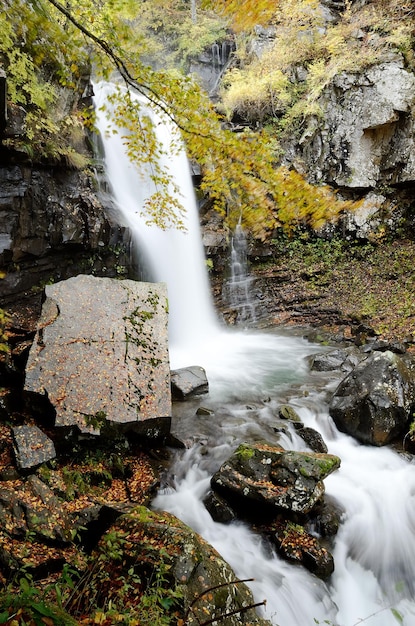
(322, 50)
(245, 14)
(99, 617)
(238, 169)
(257, 93)
(300, 203)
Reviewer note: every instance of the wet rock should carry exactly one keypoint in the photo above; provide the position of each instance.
(188, 382)
(374, 402)
(52, 225)
(204, 411)
(286, 412)
(344, 359)
(326, 517)
(32, 447)
(270, 476)
(409, 441)
(219, 509)
(313, 439)
(100, 356)
(294, 543)
(150, 541)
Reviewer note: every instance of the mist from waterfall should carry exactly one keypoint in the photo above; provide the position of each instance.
(250, 375)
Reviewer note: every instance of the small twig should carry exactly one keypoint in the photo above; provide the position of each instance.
(235, 612)
(224, 615)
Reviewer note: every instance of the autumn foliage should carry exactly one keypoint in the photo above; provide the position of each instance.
(240, 172)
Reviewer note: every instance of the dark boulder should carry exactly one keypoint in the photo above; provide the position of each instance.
(313, 439)
(326, 517)
(295, 544)
(219, 509)
(269, 476)
(188, 382)
(143, 542)
(375, 401)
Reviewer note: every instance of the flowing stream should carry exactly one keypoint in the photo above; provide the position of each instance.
(250, 374)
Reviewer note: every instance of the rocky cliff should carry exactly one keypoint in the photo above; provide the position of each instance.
(53, 221)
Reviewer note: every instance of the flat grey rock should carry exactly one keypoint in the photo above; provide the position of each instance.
(101, 353)
(32, 447)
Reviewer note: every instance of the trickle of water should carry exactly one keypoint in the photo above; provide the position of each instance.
(251, 374)
(238, 289)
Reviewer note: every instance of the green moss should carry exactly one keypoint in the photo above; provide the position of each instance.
(244, 452)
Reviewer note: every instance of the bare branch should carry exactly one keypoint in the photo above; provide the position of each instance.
(229, 613)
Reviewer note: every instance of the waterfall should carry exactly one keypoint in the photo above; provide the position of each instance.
(216, 55)
(237, 290)
(174, 257)
(251, 374)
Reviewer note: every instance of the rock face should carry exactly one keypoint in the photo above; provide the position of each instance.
(100, 355)
(273, 477)
(364, 143)
(367, 135)
(375, 401)
(52, 226)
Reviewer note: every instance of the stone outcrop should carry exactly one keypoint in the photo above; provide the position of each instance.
(374, 403)
(367, 133)
(52, 226)
(100, 356)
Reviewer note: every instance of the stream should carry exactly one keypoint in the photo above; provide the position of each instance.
(251, 373)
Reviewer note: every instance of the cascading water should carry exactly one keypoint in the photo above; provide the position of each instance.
(250, 375)
(237, 290)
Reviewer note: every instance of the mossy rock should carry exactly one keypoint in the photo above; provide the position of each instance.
(273, 477)
(147, 547)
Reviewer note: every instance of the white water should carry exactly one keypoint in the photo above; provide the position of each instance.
(250, 375)
(238, 289)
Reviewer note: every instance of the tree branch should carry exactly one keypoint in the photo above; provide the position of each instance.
(130, 80)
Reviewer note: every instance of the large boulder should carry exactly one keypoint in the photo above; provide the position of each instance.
(100, 355)
(375, 401)
(149, 548)
(265, 475)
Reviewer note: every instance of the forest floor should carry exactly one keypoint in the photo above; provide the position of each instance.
(342, 289)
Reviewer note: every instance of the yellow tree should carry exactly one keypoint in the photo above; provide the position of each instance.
(239, 170)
